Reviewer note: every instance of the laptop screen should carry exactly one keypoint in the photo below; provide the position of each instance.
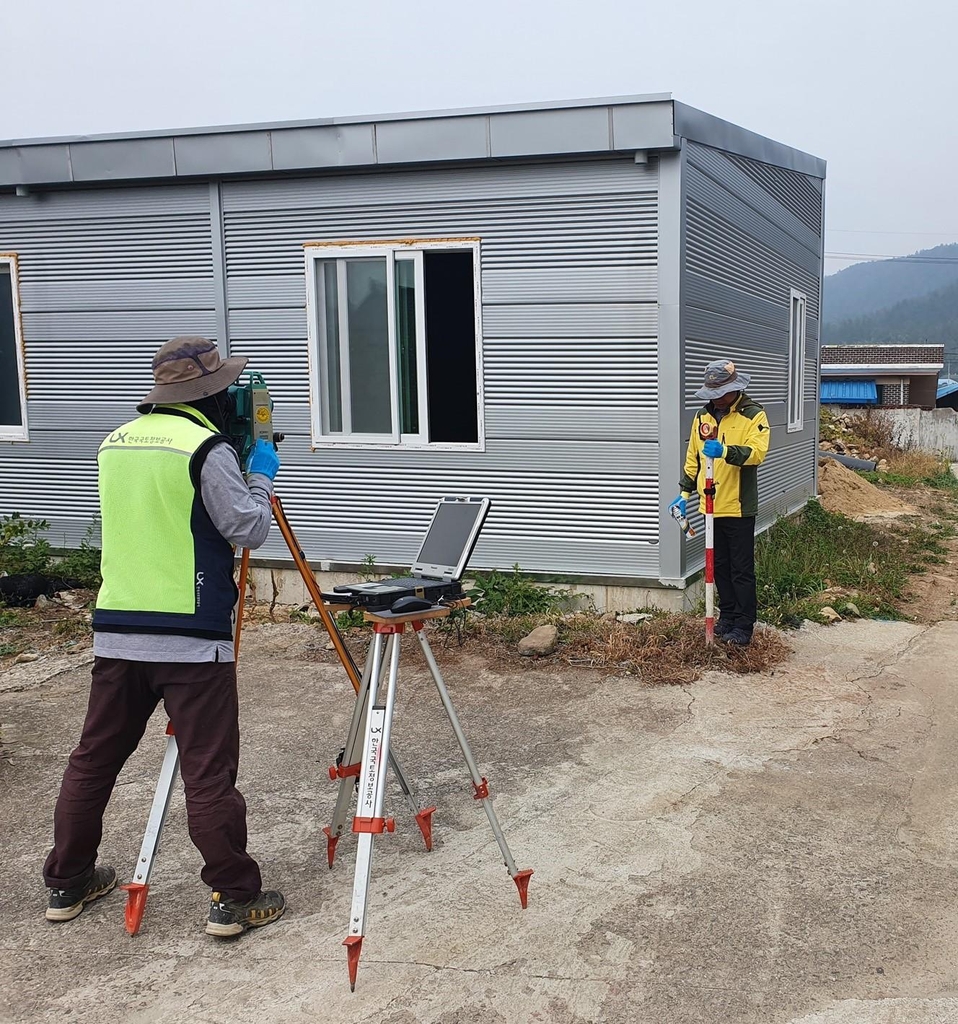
(448, 542)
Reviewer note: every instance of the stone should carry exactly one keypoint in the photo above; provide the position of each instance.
(25, 657)
(41, 602)
(830, 615)
(633, 617)
(882, 466)
(542, 641)
(852, 609)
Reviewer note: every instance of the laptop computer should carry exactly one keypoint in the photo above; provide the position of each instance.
(437, 572)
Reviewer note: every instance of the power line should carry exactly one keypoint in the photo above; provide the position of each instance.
(946, 260)
(872, 231)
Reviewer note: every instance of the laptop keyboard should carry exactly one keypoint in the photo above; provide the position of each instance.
(409, 581)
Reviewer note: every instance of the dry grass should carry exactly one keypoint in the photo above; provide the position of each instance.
(664, 650)
(53, 628)
(915, 464)
(667, 650)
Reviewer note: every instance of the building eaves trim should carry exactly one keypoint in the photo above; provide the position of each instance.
(698, 126)
(578, 127)
(856, 369)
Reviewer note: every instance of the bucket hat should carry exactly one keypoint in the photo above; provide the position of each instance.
(188, 368)
(721, 377)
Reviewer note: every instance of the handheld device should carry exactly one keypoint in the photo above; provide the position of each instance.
(683, 522)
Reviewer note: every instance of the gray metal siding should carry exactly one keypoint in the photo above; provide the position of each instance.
(106, 276)
(753, 232)
(568, 265)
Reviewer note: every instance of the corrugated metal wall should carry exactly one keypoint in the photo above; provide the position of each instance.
(569, 300)
(753, 232)
(106, 276)
(569, 304)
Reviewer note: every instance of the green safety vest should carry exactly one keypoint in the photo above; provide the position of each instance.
(166, 568)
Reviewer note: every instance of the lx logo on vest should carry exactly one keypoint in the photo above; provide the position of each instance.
(119, 437)
(200, 579)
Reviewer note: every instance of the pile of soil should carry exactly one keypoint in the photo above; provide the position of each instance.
(843, 490)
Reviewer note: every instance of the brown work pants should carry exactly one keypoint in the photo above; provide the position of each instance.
(201, 702)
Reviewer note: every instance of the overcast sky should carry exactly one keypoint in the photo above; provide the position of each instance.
(869, 86)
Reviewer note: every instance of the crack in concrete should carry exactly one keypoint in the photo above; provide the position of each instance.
(485, 970)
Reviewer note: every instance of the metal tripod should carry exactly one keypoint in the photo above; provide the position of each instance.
(370, 733)
(138, 888)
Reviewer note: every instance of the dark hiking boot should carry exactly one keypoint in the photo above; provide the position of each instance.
(231, 917)
(66, 904)
(738, 637)
(723, 628)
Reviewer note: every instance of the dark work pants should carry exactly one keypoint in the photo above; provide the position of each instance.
(735, 571)
(201, 702)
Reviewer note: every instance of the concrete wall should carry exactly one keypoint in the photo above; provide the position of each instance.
(931, 430)
(286, 587)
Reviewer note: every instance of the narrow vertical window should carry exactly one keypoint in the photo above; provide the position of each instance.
(13, 392)
(796, 360)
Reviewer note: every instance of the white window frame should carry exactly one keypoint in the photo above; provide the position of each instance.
(795, 398)
(17, 433)
(393, 251)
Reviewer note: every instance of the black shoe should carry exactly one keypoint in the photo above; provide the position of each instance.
(231, 917)
(723, 628)
(738, 637)
(66, 904)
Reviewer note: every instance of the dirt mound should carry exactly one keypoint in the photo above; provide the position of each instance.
(843, 490)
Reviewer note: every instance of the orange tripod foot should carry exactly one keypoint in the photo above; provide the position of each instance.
(521, 878)
(354, 946)
(135, 905)
(331, 842)
(424, 820)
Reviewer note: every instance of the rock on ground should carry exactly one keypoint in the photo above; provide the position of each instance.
(541, 641)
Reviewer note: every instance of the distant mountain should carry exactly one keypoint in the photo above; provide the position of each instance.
(867, 288)
(932, 318)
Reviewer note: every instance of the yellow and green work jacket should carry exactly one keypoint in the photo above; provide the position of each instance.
(745, 432)
(166, 568)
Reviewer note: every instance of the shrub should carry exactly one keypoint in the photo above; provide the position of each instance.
(503, 593)
(83, 563)
(22, 549)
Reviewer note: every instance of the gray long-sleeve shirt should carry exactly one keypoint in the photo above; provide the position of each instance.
(241, 511)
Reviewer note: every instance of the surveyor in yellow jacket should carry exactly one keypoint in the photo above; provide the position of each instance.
(733, 430)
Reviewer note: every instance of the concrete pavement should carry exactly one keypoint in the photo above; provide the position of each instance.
(777, 849)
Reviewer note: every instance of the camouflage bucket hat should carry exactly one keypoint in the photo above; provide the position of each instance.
(721, 377)
(189, 368)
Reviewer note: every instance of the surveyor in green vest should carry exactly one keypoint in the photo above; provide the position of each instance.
(173, 503)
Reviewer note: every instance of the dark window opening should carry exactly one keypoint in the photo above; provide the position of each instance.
(451, 347)
(11, 415)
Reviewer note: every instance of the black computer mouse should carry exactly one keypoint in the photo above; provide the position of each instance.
(406, 605)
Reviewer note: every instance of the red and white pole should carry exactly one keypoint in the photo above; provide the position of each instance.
(707, 434)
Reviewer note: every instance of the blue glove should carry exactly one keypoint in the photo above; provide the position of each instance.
(714, 449)
(263, 459)
(682, 504)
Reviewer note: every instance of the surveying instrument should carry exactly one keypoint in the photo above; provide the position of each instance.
(361, 765)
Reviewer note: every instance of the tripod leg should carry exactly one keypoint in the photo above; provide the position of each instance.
(369, 820)
(349, 767)
(479, 784)
(139, 887)
(423, 815)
